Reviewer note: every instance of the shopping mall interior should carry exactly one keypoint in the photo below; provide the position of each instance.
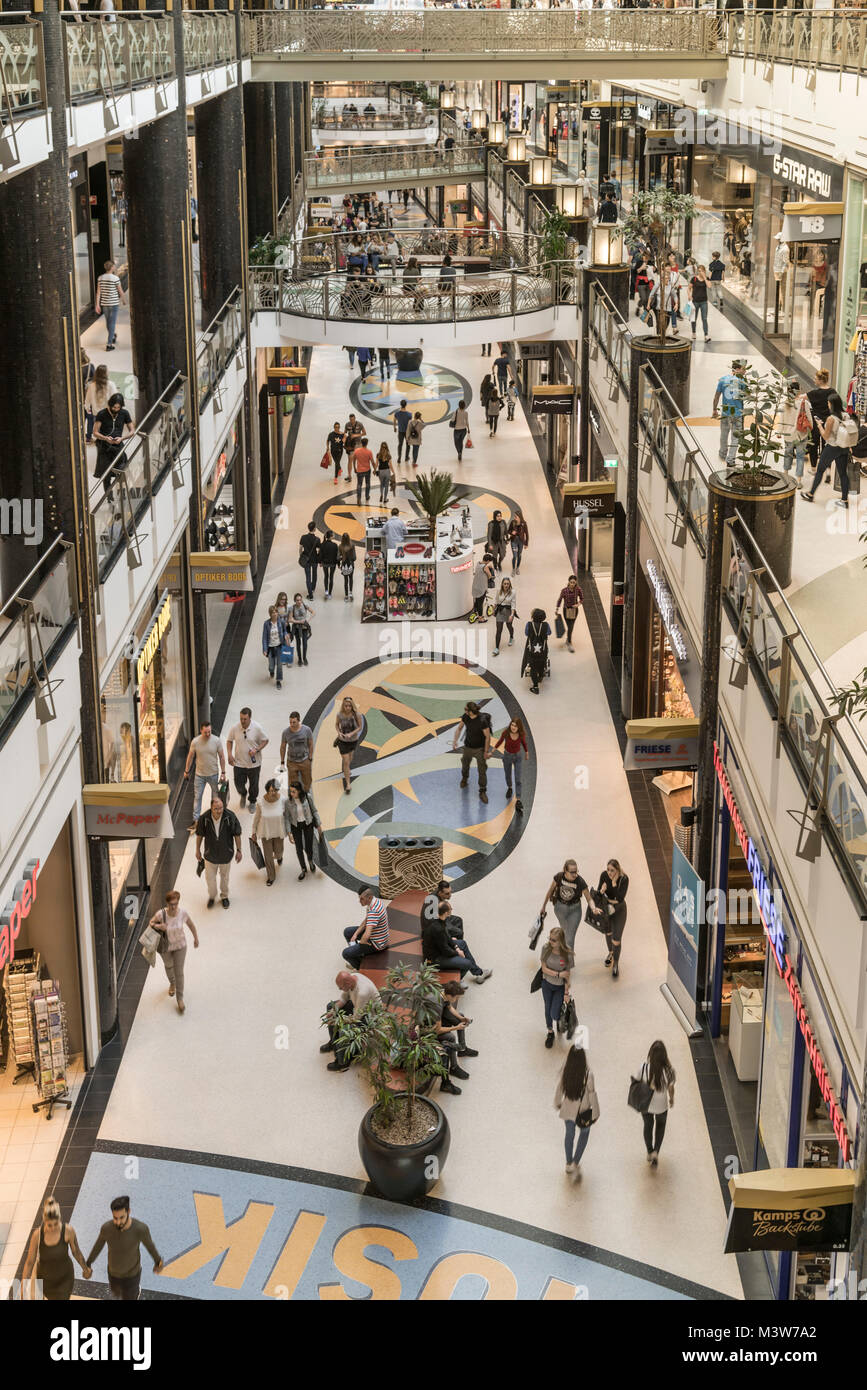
(430, 489)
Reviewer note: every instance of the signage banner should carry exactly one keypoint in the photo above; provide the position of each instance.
(812, 226)
(803, 173)
(791, 1209)
(685, 914)
(144, 654)
(535, 352)
(287, 381)
(224, 570)
(127, 810)
(590, 498)
(552, 400)
(14, 913)
(661, 743)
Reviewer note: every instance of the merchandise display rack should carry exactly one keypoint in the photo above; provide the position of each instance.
(50, 1046)
(19, 977)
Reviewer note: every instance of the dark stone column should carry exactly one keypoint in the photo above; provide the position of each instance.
(260, 157)
(220, 160)
(720, 506)
(615, 282)
(285, 122)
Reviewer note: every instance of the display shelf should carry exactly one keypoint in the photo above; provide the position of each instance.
(20, 975)
(50, 1041)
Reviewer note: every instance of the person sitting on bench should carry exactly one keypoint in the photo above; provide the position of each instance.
(357, 993)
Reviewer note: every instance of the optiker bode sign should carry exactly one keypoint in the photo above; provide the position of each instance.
(23, 898)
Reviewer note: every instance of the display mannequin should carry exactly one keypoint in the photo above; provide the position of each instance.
(781, 258)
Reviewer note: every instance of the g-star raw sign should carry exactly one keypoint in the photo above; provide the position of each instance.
(804, 175)
(23, 898)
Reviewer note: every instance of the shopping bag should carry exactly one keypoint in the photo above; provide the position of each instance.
(468, 442)
(286, 654)
(322, 852)
(223, 792)
(535, 932)
(559, 625)
(256, 854)
(150, 940)
(536, 982)
(568, 1020)
(325, 461)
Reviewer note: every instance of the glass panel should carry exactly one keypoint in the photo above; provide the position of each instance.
(117, 704)
(813, 301)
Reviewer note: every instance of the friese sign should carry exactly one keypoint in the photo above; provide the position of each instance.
(127, 810)
(791, 1209)
(661, 743)
(143, 658)
(23, 898)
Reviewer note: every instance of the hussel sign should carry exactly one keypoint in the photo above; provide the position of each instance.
(127, 810)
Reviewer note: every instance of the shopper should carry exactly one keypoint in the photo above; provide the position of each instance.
(730, 393)
(346, 559)
(556, 964)
(336, 443)
(245, 743)
(296, 751)
(273, 641)
(500, 366)
(445, 951)
(281, 603)
(493, 411)
(357, 995)
(112, 427)
(353, 430)
(349, 726)
(385, 472)
(613, 886)
(301, 820)
(483, 578)
(413, 436)
(576, 1100)
(840, 432)
(658, 1072)
(269, 823)
(519, 539)
(402, 419)
(698, 295)
(476, 729)
(328, 557)
(363, 355)
(819, 397)
(607, 212)
(460, 427)
(449, 1028)
(513, 741)
(535, 658)
(486, 390)
(298, 622)
(496, 537)
(372, 935)
(361, 460)
(53, 1245)
(794, 426)
(96, 396)
(571, 599)
(124, 1237)
(172, 922)
(505, 613)
(565, 894)
(219, 830)
(385, 363)
(308, 557)
(109, 297)
(715, 274)
(511, 400)
(206, 751)
(412, 286)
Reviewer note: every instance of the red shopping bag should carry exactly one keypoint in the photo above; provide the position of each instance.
(468, 442)
(325, 461)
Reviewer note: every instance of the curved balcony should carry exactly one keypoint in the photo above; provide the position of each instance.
(314, 44)
(25, 136)
(385, 168)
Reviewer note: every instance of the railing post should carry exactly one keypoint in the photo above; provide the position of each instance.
(326, 305)
(514, 287)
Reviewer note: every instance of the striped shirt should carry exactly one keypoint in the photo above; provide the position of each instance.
(376, 921)
(109, 290)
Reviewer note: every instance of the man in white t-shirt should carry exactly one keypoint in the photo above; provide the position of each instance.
(206, 752)
(244, 744)
(356, 993)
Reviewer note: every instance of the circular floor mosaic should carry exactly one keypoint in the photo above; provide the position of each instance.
(405, 779)
(435, 391)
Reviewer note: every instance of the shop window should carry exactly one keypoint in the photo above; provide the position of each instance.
(813, 1270)
(813, 301)
(117, 710)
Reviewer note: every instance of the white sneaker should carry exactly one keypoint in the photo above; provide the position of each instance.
(569, 647)
(480, 979)
(495, 652)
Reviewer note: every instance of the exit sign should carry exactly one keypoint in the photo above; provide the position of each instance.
(610, 463)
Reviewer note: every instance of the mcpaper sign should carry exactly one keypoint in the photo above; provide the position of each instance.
(127, 810)
(15, 912)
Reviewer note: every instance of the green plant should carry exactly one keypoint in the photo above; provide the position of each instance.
(654, 214)
(555, 232)
(762, 396)
(266, 250)
(435, 493)
(397, 1031)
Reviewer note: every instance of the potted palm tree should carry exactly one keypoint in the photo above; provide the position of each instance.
(404, 1137)
(654, 214)
(435, 494)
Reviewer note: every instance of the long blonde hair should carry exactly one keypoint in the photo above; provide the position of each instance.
(557, 938)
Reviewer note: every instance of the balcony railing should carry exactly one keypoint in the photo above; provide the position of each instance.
(325, 251)
(22, 70)
(290, 210)
(209, 39)
(379, 121)
(33, 623)
(103, 60)
(218, 345)
(371, 168)
(807, 38)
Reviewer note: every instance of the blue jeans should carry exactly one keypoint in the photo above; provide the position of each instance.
(453, 963)
(356, 951)
(275, 662)
(553, 997)
(200, 784)
(699, 311)
(362, 480)
(731, 427)
(797, 449)
(110, 312)
(517, 552)
(575, 1155)
(512, 763)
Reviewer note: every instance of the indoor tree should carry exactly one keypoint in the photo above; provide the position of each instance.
(654, 214)
(762, 394)
(435, 493)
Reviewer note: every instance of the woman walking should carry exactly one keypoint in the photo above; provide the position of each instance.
(571, 598)
(839, 432)
(486, 390)
(273, 639)
(385, 471)
(336, 446)
(505, 613)
(578, 1104)
(658, 1072)
(460, 428)
(413, 436)
(268, 822)
(349, 726)
(298, 620)
(513, 741)
(535, 659)
(172, 922)
(281, 603)
(613, 885)
(346, 552)
(697, 293)
(483, 577)
(794, 426)
(492, 410)
(328, 557)
(556, 962)
(99, 388)
(50, 1253)
(519, 539)
(300, 817)
(565, 894)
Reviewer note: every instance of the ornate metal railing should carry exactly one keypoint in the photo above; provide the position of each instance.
(406, 120)
(104, 59)
(502, 32)
(373, 168)
(209, 39)
(218, 345)
(290, 210)
(806, 38)
(22, 70)
(610, 334)
(33, 620)
(329, 251)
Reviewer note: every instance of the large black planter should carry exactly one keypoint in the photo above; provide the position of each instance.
(769, 515)
(401, 1171)
(408, 359)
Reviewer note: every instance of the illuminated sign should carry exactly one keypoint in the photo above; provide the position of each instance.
(458, 569)
(23, 898)
(154, 635)
(817, 1061)
(668, 612)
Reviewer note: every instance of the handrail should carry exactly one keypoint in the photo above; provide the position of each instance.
(380, 120)
(105, 59)
(22, 69)
(209, 39)
(58, 542)
(29, 637)
(218, 345)
(324, 249)
(835, 39)
(365, 167)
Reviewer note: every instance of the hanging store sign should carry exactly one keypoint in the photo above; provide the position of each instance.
(661, 743)
(535, 352)
(664, 141)
(287, 381)
(221, 570)
(590, 499)
(552, 400)
(817, 1061)
(791, 1209)
(147, 650)
(127, 810)
(812, 221)
(23, 898)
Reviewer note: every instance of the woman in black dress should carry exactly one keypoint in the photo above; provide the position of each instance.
(613, 885)
(50, 1251)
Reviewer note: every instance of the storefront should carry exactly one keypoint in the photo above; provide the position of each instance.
(852, 308)
(666, 665)
(559, 125)
(792, 1100)
(79, 210)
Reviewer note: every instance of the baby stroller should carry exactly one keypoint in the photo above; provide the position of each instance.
(536, 660)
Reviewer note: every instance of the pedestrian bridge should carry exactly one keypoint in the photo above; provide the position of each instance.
(368, 44)
(373, 170)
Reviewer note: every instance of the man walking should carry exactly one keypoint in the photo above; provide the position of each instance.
(501, 367)
(244, 746)
(401, 420)
(109, 297)
(361, 460)
(220, 830)
(729, 391)
(296, 751)
(372, 935)
(309, 555)
(206, 752)
(476, 729)
(497, 535)
(124, 1237)
(715, 273)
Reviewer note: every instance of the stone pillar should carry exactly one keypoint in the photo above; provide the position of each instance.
(614, 280)
(261, 159)
(720, 506)
(284, 117)
(220, 161)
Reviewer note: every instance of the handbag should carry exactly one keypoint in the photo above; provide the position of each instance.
(593, 919)
(536, 982)
(150, 940)
(325, 460)
(223, 792)
(322, 851)
(535, 933)
(256, 854)
(640, 1093)
(559, 625)
(568, 1020)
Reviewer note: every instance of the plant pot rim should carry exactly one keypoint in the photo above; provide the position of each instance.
(439, 1116)
(780, 486)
